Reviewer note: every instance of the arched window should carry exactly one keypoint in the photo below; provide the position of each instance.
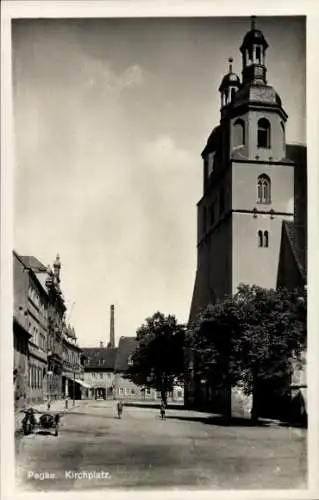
(266, 239)
(239, 133)
(263, 189)
(263, 239)
(258, 55)
(232, 93)
(263, 133)
(260, 238)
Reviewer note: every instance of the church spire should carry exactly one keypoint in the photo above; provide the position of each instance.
(253, 50)
(229, 86)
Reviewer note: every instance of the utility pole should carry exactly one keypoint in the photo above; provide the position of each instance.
(73, 386)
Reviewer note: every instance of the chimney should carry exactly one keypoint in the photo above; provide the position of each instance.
(101, 343)
(112, 333)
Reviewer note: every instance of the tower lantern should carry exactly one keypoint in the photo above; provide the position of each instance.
(229, 85)
(253, 51)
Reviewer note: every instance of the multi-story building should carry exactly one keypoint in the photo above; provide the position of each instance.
(36, 310)
(252, 215)
(21, 333)
(72, 376)
(99, 371)
(43, 347)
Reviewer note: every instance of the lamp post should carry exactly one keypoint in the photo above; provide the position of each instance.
(73, 387)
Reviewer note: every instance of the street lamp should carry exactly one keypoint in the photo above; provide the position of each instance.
(73, 387)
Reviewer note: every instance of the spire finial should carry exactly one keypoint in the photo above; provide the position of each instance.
(253, 22)
(230, 60)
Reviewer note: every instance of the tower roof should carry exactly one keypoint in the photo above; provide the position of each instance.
(230, 79)
(253, 37)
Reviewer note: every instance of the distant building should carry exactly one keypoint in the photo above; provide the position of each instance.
(106, 368)
(99, 371)
(73, 383)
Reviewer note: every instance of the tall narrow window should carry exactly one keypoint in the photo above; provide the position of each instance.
(263, 133)
(260, 238)
(239, 133)
(266, 239)
(258, 55)
(263, 239)
(263, 189)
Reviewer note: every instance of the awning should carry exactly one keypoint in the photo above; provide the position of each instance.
(80, 382)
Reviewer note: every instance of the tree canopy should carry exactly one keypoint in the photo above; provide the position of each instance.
(158, 360)
(250, 337)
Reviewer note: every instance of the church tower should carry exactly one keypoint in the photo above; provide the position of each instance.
(248, 186)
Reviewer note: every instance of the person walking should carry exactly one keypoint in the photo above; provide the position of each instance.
(119, 409)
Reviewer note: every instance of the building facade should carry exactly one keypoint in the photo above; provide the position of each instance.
(36, 310)
(21, 333)
(252, 215)
(73, 384)
(99, 371)
(42, 344)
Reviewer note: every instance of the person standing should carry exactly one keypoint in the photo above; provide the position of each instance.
(162, 410)
(119, 409)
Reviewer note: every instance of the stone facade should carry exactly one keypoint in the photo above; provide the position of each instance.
(250, 202)
(38, 329)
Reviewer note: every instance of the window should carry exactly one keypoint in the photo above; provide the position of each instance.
(179, 394)
(263, 133)
(263, 239)
(266, 239)
(148, 391)
(258, 55)
(132, 391)
(121, 390)
(239, 133)
(260, 238)
(263, 189)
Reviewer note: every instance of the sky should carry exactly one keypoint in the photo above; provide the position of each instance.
(110, 118)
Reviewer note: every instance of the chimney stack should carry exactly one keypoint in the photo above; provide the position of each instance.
(112, 333)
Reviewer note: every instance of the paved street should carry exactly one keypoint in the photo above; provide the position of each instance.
(188, 449)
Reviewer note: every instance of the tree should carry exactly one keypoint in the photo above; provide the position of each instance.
(158, 359)
(250, 338)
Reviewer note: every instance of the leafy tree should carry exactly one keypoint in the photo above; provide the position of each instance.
(159, 356)
(250, 338)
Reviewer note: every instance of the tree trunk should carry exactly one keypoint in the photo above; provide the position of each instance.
(254, 410)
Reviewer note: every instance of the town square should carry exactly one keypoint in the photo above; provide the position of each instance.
(159, 263)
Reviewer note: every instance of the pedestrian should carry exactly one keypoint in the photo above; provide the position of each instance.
(162, 410)
(119, 409)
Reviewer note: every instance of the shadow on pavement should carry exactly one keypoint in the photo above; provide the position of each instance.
(221, 420)
(297, 425)
(173, 406)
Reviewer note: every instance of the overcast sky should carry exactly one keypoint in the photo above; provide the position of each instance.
(110, 119)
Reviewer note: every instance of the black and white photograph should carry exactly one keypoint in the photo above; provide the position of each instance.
(159, 254)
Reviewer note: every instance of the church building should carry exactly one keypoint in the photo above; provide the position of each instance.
(252, 215)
